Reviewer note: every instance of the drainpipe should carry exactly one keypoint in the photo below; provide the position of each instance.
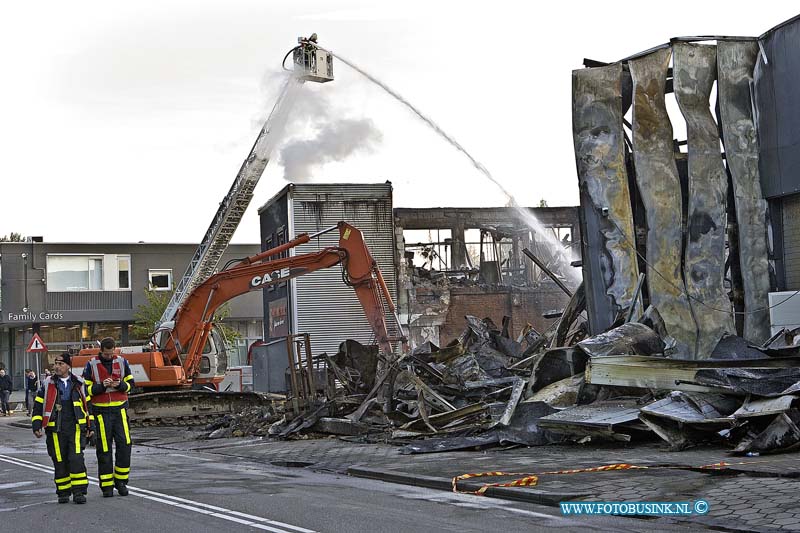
(25, 278)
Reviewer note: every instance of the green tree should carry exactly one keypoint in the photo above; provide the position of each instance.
(149, 313)
(12, 237)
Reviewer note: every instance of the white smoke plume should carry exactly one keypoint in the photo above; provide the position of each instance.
(333, 142)
(320, 132)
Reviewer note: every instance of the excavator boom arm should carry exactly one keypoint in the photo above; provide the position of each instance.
(193, 320)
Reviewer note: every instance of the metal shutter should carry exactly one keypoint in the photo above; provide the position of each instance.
(323, 305)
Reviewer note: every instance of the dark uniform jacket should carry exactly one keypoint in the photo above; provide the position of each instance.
(66, 411)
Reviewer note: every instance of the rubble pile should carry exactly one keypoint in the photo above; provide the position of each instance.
(486, 388)
(252, 421)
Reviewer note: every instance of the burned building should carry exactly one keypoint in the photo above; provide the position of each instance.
(471, 261)
(689, 216)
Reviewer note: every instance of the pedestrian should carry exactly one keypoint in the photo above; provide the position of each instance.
(31, 386)
(60, 411)
(108, 380)
(5, 392)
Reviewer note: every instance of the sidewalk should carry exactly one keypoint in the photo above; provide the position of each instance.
(17, 403)
(759, 494)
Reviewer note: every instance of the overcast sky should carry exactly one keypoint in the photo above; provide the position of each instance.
(127, 121)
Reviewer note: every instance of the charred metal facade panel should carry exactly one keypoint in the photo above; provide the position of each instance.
(659, 184)
(736, 62)
(704, 262)
(610, 268)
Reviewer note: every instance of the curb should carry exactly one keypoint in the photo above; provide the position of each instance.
(506, 493)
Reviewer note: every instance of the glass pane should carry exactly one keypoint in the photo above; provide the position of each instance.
(160, 280)
(123, 268)
(95, 274)
(99, 330)
(67, 273)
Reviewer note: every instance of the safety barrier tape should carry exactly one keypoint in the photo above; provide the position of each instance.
(531, 479)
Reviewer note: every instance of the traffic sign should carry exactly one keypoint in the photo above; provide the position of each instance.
(36, 344)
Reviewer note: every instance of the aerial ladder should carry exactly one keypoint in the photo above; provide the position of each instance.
(310, 64)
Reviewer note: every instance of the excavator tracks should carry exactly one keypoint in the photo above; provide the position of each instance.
(191, 407)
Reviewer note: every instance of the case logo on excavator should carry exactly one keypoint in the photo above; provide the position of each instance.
(271, 277)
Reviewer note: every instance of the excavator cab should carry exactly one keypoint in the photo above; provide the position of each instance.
(213, 358)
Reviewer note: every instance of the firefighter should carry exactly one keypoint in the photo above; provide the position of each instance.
(60, 409)
(108, 380)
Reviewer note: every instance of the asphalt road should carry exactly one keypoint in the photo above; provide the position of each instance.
(179, 492)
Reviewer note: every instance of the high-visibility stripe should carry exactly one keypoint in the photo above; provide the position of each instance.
(57, 446)
(121, 476)
(129, 377)
(125, 426)
(106, 476)
(64, 487)
(107, 483)
(122, 469)
(53, 424)
(35, 418)
(110, 404)
(77, 440)
(77, 404)
(40, 399)
(62, 480)
(102, 432)
(79, 482)
(79, 475)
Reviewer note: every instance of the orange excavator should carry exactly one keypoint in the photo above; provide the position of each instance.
(188, 352)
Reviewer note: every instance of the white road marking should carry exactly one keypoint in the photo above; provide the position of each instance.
(7, 486)
(192, 457)
(182, 503)
(473, 501)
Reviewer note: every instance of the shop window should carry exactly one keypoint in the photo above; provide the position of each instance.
(95, 331)
(160, 279)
